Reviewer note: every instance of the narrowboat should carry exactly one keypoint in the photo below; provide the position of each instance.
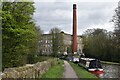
(90, 64)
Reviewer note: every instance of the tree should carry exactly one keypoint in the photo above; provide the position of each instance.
(19, 33)
(57, 41)
(95, 41)
(116, 20)
(99, 43)
(33, 56)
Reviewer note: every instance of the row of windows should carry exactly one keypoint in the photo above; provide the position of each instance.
(46, 50)
(47, 45)
(45, 41)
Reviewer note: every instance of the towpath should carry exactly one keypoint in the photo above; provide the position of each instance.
(69, 72)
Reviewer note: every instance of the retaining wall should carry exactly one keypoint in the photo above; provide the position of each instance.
(30, 70)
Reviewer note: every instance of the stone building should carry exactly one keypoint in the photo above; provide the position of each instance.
(67, 39)
(80, 44)
(45, 44)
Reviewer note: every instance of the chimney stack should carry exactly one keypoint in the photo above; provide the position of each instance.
(74, 36)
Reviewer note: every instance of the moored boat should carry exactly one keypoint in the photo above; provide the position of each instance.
(91, 64)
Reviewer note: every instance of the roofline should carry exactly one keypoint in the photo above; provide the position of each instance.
(65, 34)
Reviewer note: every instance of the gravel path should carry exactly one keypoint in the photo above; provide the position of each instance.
(69, 72)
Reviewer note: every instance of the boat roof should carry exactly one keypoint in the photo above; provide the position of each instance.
(89, 59)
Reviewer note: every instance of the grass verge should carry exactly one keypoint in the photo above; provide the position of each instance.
(55, 71)
(106, 62)
(82, 73)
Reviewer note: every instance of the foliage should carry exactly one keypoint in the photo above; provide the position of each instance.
(102, 44)
(19, 34)
(99, 43)
(38, 59)
(116, 20)
(57, 41)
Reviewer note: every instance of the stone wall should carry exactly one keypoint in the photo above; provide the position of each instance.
(30, 70)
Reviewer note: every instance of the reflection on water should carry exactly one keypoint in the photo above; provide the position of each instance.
(109, 71)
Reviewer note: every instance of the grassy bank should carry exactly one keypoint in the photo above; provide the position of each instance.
(81, 73)
(113, 63)
(55, 71)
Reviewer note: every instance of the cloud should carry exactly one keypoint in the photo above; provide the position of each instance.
(59, 14)
(76, 1)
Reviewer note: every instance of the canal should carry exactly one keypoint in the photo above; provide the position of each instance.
(110, 71)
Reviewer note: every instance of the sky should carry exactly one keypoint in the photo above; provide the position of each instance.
(90, 14)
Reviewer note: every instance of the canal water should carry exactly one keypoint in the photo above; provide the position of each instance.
(110, 71)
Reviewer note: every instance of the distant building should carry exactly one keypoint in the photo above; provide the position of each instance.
(80, 44)
(45, 44)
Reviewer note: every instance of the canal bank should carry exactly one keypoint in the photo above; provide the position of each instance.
(112, 63)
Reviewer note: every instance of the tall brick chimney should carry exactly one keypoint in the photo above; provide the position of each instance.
(74, 36)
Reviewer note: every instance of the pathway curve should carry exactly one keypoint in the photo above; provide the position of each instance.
(69, 72)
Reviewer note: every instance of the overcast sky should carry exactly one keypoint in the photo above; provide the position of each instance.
(60, 14)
